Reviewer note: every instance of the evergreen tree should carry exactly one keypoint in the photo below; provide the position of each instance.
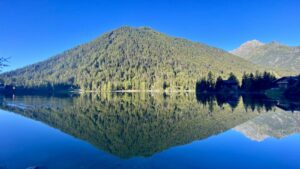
(232, 77)
(131, 58)
(210, 81)
(219, 83)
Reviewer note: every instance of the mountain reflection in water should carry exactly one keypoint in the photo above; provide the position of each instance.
(142, 124)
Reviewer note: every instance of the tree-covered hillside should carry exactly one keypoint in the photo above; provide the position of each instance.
(273, 55)
(131, 58)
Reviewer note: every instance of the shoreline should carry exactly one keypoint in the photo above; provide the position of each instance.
(136, 91)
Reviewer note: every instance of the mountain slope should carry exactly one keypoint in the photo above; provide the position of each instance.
(247, 48)
(278, 124)
(272, 54)
(131, 58)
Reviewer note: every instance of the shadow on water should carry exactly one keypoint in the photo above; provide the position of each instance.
(139, 124)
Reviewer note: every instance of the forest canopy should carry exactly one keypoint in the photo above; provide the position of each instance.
(130, 59)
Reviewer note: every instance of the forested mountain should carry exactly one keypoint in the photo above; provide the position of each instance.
(272, 54)
(131, 58)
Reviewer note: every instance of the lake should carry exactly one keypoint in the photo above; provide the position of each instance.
(148, 130)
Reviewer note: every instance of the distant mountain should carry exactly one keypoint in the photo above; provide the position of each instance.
(131, 58)
(277, 124)
(274, 55)
(246, 49)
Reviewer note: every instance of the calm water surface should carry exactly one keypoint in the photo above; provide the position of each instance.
(176, 131)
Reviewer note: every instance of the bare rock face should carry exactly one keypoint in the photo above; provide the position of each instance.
(252, 131)
(246, 48)
(271, 55)
(277, 125)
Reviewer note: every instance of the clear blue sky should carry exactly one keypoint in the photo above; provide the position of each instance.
(33, 30)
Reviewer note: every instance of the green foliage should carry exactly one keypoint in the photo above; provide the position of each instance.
(257, 82)
(131, 59)
(250, 82)
(210, 85)
(232, 77)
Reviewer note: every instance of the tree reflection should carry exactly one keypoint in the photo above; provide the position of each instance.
(135, 124)
(259, 103)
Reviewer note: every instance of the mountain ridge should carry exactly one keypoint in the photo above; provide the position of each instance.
(272, 55)
(246, 48)
(277, 124)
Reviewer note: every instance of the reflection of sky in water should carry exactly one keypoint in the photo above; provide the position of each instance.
(25, 143)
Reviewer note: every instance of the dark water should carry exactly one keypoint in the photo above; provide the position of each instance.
(140, 130)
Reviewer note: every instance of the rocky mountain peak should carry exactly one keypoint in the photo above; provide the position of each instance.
(246, 48)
